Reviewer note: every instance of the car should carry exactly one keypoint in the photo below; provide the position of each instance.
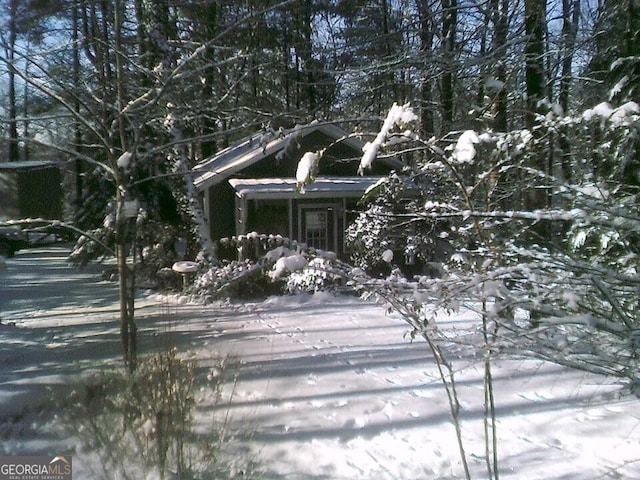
(12, 239)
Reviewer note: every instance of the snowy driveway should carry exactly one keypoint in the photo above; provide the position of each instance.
(40, 279)
(43, 300)
(328, 387)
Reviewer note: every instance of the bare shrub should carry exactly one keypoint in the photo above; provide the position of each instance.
(141, 425)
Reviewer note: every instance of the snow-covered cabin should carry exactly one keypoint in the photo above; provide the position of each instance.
(251, 186)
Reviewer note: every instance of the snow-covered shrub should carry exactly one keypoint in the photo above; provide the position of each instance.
(390, 223)
(237, 280)
(560, 278)
(366, 239)
(283, 267)
(274, 258)
(319, 274)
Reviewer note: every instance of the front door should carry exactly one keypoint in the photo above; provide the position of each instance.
(317, 226)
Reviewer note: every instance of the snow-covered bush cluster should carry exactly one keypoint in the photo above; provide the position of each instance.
(239, 279)
(269, 259)
(251, 276)
(277, 265)
(319, 274)
(389, 223)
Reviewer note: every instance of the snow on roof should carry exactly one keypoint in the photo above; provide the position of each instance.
(252, 149)
(27, 165)
(323, 187)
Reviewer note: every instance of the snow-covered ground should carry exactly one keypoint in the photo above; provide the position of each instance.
(328, 386)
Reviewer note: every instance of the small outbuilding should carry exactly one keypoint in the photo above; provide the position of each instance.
(31, 189)
(251, 186)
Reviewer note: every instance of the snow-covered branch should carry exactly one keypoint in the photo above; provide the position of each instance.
(399, 116)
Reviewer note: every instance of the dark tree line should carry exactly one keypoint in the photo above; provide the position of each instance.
(461, 63)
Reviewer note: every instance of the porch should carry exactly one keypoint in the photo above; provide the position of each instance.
(317, 218)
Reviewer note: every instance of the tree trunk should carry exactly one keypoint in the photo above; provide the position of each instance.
(77, 134)
(14, 151)
(128, 329)
(388, 54)
(449, 27)
(570, 21)
(535, 197)
(535, 24)
(500, 15)
(307, 55)
(208, 126)
(195, 205)
(426, 51)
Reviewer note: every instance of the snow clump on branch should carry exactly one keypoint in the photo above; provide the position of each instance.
(618, 116)
(288, 263)
(307, 169)
(400, 116)
(387, 256)
(124, 160)
(465, 150)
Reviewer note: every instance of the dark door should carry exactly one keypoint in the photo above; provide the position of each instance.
(318, 226)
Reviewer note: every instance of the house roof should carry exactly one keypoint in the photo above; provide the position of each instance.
(322, 187)
(27, 165)
(250, 150)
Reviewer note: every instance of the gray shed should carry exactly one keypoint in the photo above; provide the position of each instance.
(30, 189)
